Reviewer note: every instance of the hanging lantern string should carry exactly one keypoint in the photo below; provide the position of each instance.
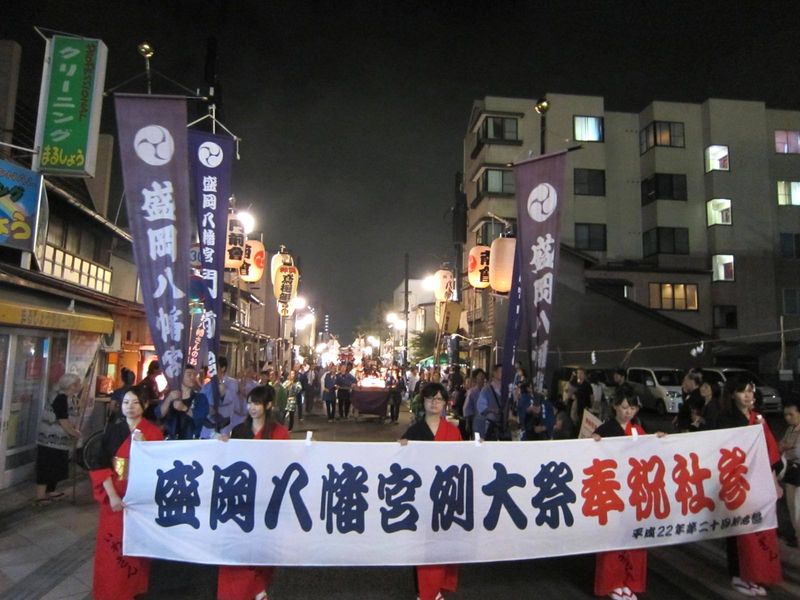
(681, 344)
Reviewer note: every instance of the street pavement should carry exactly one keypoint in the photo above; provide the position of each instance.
(46, 553)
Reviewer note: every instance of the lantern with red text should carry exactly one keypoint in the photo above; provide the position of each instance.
(255, 256)
(285, 286)
(279, 259)
(478, 267)
(445, 285)
(501, 264)
(234, 248)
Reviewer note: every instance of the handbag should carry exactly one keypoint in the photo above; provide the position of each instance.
(792, 474)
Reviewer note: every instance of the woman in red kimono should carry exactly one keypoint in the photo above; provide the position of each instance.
(118, 577)
(432, 580)
(621, 573)
(753, 558)
(248, 582)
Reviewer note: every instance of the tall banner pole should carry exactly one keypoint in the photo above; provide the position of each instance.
(153, 152)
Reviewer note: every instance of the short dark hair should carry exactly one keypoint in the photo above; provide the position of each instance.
(479, 371)
(429, 390)
(621, 372)
(128, 377)
(222, 362)
(261, 394)
(626, 392)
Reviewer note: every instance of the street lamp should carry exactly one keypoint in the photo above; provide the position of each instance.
(391, 318)
(248, 221)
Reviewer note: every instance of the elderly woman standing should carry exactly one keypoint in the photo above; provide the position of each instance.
(57, 434)
(119, 577)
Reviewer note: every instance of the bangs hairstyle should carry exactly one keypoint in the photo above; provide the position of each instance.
(429, 390)
(261, 394)
(626, 392)
(734, 385)
(138, 392)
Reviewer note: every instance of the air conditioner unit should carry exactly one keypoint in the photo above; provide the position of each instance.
(112, 342)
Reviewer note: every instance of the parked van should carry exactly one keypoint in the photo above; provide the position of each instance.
(661, 388)
(767, 398)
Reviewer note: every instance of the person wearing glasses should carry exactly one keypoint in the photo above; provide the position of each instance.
(432, 580)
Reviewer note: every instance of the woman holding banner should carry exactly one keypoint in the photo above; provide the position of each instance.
(118, 577)
(621, 573)
(753, 559)
(432, 580)
(248, 582)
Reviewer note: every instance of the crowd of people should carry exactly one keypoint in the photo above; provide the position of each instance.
(262, 404)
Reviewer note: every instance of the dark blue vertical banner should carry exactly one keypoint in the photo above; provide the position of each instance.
(152, 142)
(539, 183)
(211, 159)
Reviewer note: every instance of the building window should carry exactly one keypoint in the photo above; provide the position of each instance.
(500, 128)
(718, 212)
(488, 232)
(725, 317)
(717, 159)
(791, 301)
(661, 133)
(665, 240)
(787, 142)
(664, 186)
(590, 236)
(497, 181)
(789, 193)
(590, 182)
(790, 245)
(673, 296)
(722, 267)
(588, 129)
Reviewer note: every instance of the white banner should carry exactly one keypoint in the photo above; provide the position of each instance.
(335, 503)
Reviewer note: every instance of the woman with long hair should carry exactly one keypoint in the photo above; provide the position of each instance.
(753, 559)
(432, 580)
(248, 582)
(620, 574)
(118, 577)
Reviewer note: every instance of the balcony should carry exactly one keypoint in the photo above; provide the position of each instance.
(66, 266)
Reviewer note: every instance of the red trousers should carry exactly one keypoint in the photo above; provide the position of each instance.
(432, 579)
(621, 568)
(243, 583)
(759, 560)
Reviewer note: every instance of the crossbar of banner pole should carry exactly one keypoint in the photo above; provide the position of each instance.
(30, 150)
(543, 156)
(130, 95)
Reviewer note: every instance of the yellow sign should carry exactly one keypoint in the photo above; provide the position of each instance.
(16, 314)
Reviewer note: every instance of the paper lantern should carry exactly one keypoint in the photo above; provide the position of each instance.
(285, 286)
(478, 266)
(279, 259)
(234, 249)
(501, 264)
(445, 285)
(285, 309)
(255, 257)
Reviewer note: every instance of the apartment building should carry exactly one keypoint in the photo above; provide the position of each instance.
(689, 210)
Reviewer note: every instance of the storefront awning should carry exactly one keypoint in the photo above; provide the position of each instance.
(47, 318)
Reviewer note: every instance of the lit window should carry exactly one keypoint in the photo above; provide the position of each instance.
(673, 296)
(722, 267)
(789, 193)
(588, 129)
(787, 142)
(717, 159)
(718, 212)
(661, 133)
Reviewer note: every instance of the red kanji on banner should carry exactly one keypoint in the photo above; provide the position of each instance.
(733, 486)
(599, 491)
(648, 493)
(691, 493)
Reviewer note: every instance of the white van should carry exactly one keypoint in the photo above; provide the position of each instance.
(767, 399)
(661, 387)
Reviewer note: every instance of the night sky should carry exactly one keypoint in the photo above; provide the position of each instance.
(353, 114)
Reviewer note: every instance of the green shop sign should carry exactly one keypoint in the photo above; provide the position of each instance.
(70, 103)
